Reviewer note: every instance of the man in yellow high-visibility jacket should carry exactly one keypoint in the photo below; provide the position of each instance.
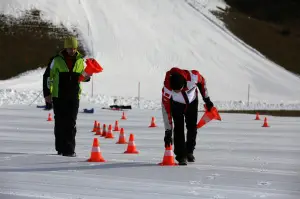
(63, 90)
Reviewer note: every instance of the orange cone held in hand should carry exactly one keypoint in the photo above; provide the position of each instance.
(49, 117)
(122, 139)
(109, 133)
(98, 130)
(96, 155)
(168, 159)
(95, 126)
(152, 123)
(124, 116)
(208, 116)
(131, 148)
(104, 132)
(265, 123)
(117, 126)
(257, 116)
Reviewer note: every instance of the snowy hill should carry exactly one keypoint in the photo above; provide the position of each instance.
(138, 41)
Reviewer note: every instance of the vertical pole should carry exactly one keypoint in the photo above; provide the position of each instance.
(139, 93)
(89, 31)
(248, 94)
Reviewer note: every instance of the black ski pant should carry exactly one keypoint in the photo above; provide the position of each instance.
(65, 116)
(182, 115)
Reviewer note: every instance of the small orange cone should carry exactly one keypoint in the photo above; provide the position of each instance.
(104, 131)
(117, 126)
(49, 117)
(98, 130)
(265, 123)
(122, 139)
(96, 155)
(109, 133)
(153, 123)
(95, 126)
(124, 116)
(168, 159)
(257, 116)
(131, 148)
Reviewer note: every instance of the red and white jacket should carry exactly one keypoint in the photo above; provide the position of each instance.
(193, 79)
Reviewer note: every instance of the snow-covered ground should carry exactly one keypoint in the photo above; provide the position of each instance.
(236, 158)
(138, 41)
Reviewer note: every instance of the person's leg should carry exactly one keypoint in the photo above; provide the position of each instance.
(71, 129)
(191, 117)
(179, 136)
(58, 125)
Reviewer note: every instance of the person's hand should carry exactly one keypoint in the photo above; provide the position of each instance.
(48, 99)
(168, 138)
(208, 103)
(87, 78)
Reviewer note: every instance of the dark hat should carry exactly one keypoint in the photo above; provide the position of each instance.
(177, 81)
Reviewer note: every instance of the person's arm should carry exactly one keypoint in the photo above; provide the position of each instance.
(201, 84)
(166, 111)
(47, 81)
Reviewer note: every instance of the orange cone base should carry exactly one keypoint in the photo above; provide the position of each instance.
(109, 137)
(122, 142)
(96, 160)
(164, 164)
(131, 152)
(153, 125)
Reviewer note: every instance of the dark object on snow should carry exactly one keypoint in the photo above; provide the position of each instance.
(46, 107)
(122, 107)
(88, 110)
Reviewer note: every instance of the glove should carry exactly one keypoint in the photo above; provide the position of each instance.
(168, 138)
(208, 103)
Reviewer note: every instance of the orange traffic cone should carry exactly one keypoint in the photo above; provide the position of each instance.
(208, 116)
(96, 155)
(265, 123)
(109, 133)
(168, 159)
(98, 130)
(117, 126)
(104, 131)
(257, 116)
(122, 139)
(153, 123)
(95, 126)
(124, 116)
(49, 117)
(131, 148)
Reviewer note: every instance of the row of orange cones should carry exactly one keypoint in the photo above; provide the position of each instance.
(152, 124)
(265, 124)
(96, 154)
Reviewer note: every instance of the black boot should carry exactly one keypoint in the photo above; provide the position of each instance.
(190, 157)
(181, 160)
(69, 154)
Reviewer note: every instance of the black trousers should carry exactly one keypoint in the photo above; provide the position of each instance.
(189, 116)
(65, 116)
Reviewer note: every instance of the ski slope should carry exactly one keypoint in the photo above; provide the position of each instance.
(235, 158)
(138, 41)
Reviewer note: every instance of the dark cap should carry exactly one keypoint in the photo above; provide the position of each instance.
(177, 81)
